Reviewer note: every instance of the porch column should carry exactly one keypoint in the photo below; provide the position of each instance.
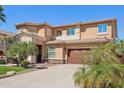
(64, 54)
(43, 53)
(32, 59)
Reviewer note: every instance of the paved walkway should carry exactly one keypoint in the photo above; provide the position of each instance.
(58, 76)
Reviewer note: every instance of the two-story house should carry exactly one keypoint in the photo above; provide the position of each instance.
(67, 43)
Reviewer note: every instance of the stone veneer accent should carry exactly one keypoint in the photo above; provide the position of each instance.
(56, 61)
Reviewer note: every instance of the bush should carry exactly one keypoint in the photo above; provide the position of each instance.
(2, 62)
(102, 75)
(25, 63)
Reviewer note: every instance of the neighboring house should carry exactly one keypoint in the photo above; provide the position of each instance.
(67, 43)
(3, 45)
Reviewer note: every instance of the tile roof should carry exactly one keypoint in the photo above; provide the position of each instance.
(3, 32)
(92, 40)
(32, 24)
(37, 39)
(78, 23)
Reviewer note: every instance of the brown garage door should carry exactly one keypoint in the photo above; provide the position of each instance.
(75, 55)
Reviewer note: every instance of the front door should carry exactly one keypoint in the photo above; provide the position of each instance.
(39, 56)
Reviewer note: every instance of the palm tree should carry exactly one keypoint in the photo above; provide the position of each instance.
(104, 53)
(2, 16)
(101, 75)
(102, 69)
(2, 19)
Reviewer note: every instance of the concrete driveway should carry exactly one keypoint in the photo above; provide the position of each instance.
(58, 76)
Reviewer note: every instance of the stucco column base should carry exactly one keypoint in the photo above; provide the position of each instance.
(32, 59)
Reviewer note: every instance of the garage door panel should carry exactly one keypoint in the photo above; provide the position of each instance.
(75, 55)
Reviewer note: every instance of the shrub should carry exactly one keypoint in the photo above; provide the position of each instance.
(2, 62)
(100, 76)
(25, 63)
(103, 69)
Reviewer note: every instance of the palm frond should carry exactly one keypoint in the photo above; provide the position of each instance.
(2, 15)
(104, 69)
(2, 19)
(1, 8)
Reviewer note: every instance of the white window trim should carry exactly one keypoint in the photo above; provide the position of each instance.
(76, 36)
(102, 33)
(70, 34)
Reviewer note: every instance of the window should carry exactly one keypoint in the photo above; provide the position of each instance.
(71, 31)
(59, 33)
(102, 28)
(51, 51)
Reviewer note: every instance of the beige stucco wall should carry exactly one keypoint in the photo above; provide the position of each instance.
(25, 38)
(114, 30)
(45, 32)
(64, 33)
(48, 33)
(41, 32)
(91, 31)
(59, 49)
(87, 31)
(59, 52)
(64, 36)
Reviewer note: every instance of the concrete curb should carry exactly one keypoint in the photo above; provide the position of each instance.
(17, 73)
(25, 71)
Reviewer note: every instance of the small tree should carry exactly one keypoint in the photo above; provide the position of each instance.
(22, 50)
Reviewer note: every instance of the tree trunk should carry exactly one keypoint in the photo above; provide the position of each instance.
(18, 61)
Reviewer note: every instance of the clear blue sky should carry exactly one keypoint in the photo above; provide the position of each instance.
(56, 15)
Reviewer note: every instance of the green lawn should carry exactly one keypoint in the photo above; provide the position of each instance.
(4, 69)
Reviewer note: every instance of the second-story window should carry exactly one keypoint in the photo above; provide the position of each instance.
(71, 31)
(59, 33)
(102, 28)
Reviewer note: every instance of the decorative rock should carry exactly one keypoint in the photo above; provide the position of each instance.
(10, 73)
(31, 65)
